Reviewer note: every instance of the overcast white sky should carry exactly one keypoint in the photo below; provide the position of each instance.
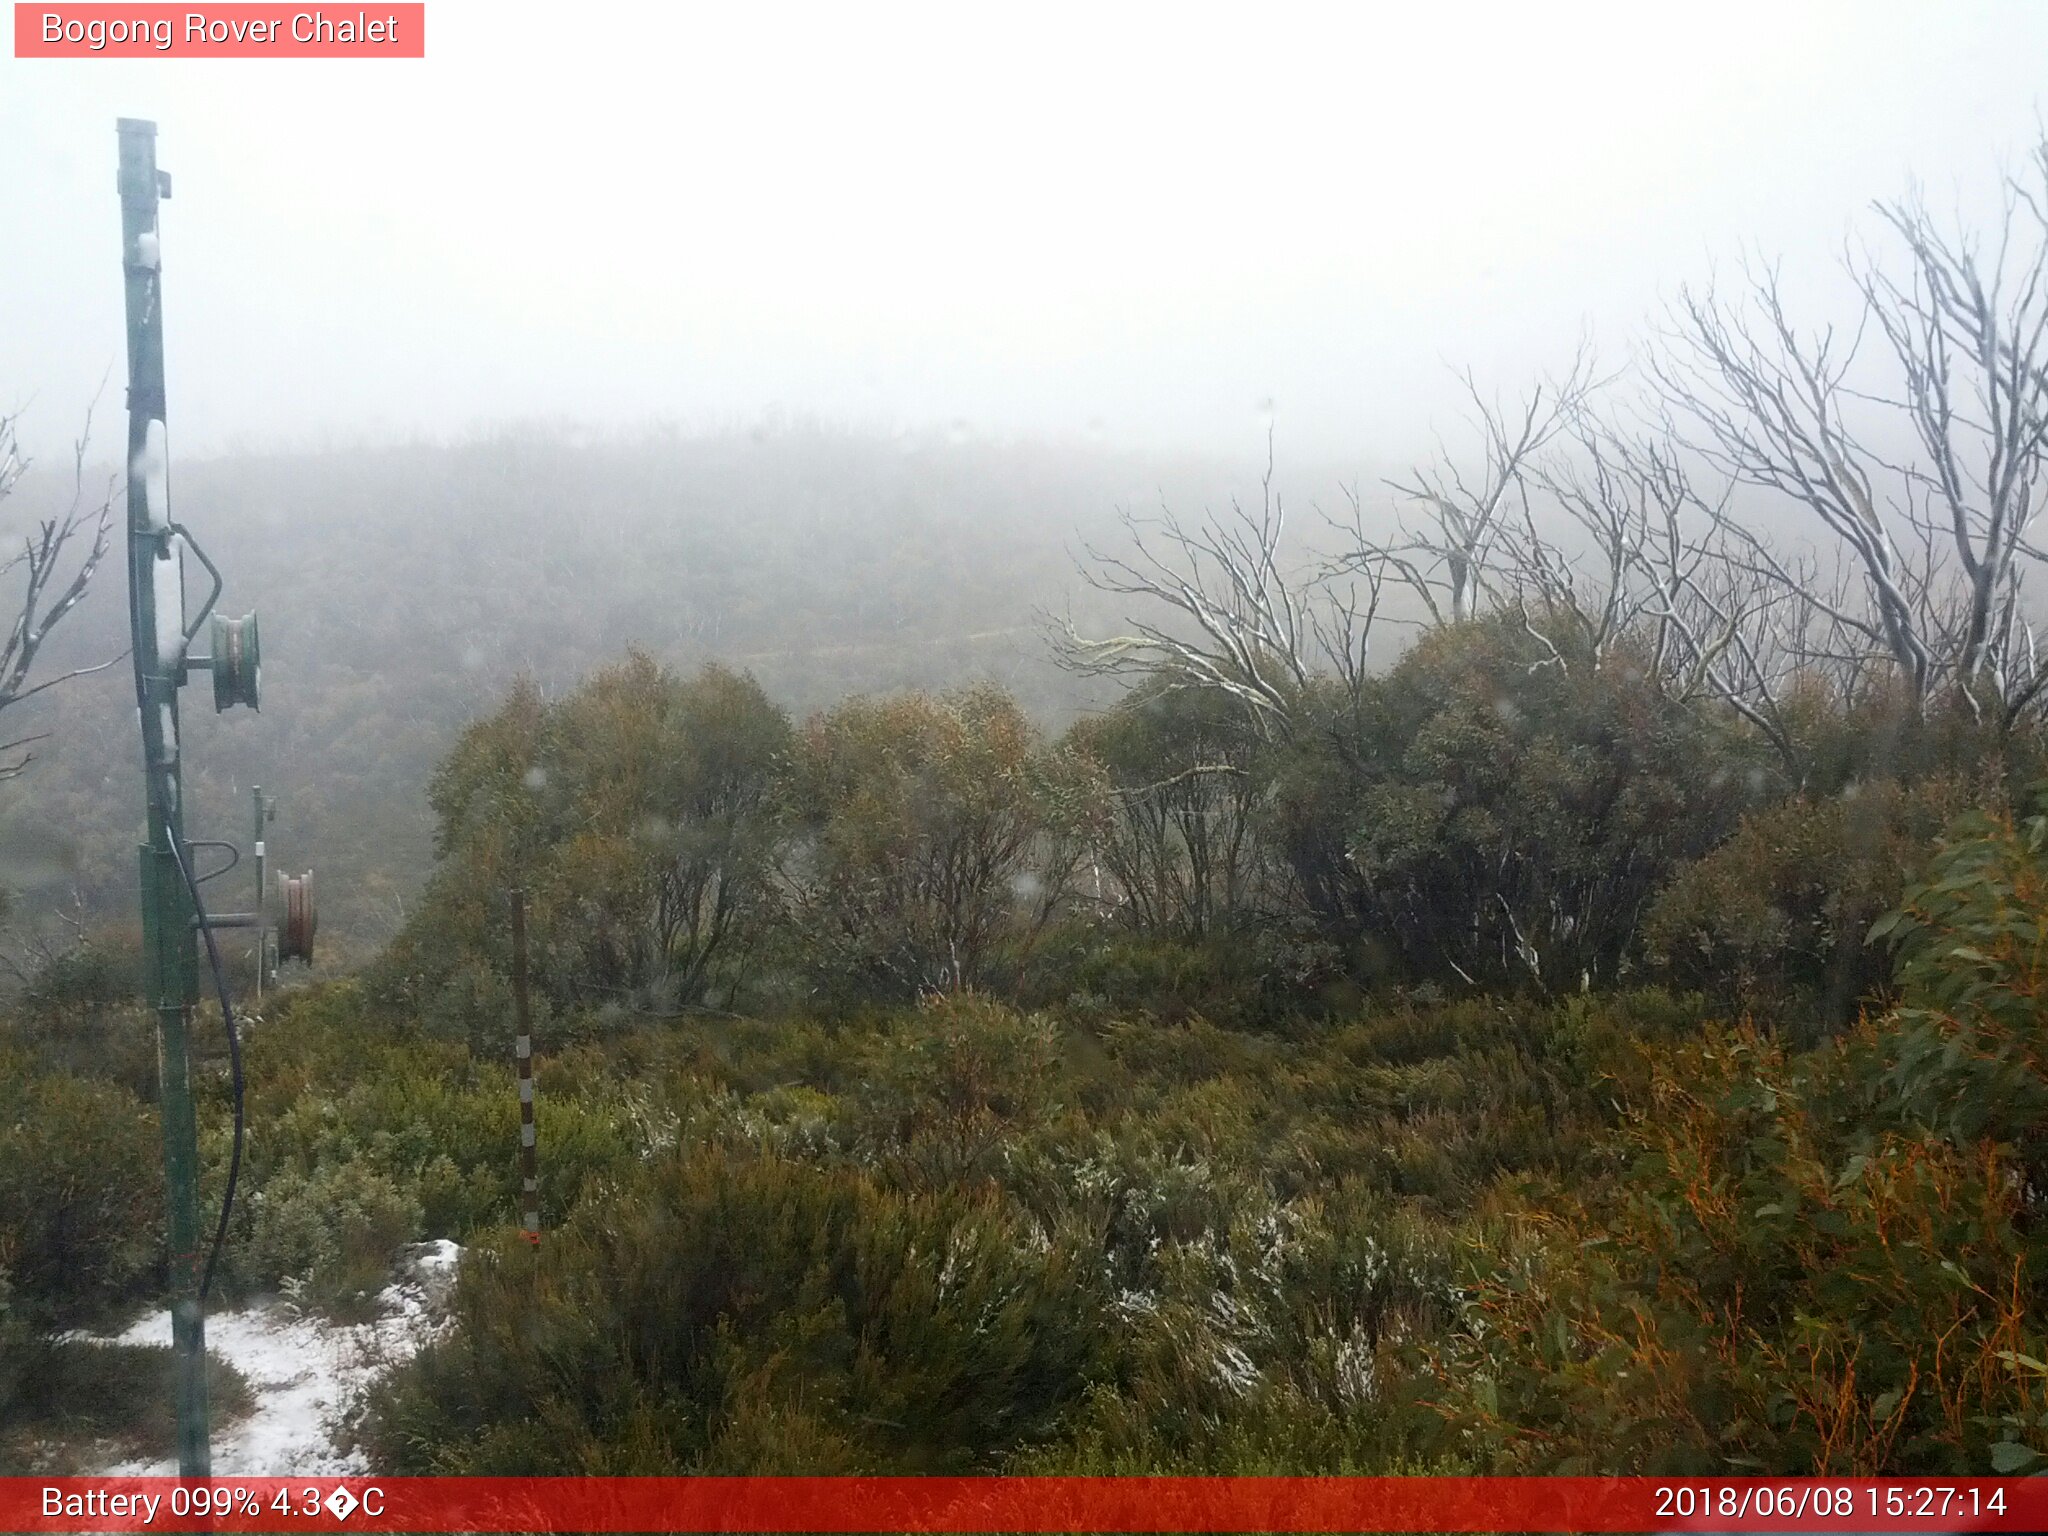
(1127, 221)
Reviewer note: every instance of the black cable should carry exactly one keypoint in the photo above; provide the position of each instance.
(227, 1013)
(234, 857)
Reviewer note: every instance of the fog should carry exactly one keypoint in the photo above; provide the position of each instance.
(1147, 226)
(813, 341)
(1024, 959)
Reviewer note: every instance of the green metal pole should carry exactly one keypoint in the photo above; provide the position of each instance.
(156, 610)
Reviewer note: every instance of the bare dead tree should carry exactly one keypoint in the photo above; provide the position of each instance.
(1968, 327)
(1230, 617)
(1906, 574)
(46, 594)
(1660, 574)
(29, 952)
(1629, 503)
(1938, 542)
(1447, 557)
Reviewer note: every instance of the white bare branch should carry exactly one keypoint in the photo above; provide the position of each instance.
(46, 594)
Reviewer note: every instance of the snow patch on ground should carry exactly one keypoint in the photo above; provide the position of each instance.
(306, 1373)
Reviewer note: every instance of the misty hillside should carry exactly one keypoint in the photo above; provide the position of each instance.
(402, 588)
(1037, 745)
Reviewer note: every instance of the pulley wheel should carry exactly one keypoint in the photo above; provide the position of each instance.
(301, 918)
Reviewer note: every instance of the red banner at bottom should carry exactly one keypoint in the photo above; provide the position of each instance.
(993, 1504)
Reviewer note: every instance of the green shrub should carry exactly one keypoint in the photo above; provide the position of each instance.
(1491, 813)
(81, 1199)
(93, 974)
(332, 1082)
(1968, 1046)
(945, 1083)
(725, 1314)
(1269, 1342)
(1780, 1285)
(327, 1238)
(1184, 778)
(111, 1043)
(638, 813)
(1825, 1262)
(1102, 973)
(1774, 919)
(66, 1403)
(933, 839)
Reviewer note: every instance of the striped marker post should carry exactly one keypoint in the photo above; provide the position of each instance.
(529, 1163)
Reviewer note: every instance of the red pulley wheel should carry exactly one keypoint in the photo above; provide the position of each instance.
(301, 918)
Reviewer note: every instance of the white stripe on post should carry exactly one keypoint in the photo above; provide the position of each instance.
(523, 1050)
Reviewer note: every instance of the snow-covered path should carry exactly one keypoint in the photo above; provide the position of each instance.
(305, 1372)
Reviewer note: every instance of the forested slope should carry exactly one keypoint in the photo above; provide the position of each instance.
(401, 588)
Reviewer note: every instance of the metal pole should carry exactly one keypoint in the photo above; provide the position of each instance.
(262, 896)
(522, 1049)
(156, 611)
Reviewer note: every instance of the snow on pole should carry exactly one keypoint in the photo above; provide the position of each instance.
(522, 1049)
